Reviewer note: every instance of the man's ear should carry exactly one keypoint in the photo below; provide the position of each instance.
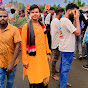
(69, 11)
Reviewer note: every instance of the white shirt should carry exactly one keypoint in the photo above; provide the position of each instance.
(47, 19)
(55, 26)
(85, 16)
(67, 38)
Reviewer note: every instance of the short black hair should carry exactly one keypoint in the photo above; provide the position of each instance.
(22, 11)
(87, 11)
(2, 9)
(13, 11)
(52, 8)
(59, 9)
(33, 7)
(71, 6)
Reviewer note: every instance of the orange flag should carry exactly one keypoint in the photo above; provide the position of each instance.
(28, 6)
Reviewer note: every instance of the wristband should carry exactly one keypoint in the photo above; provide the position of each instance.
(48, 54)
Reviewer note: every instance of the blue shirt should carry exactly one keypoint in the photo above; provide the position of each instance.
(85, 39)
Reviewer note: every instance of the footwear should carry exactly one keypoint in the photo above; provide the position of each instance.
(84, 56)
(74, 57)
(57, 71)
(85, 67)
(55, 77)
(68, 85)
(54, 71)
(80, 57)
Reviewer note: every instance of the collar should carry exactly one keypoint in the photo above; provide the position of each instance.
(8, 27)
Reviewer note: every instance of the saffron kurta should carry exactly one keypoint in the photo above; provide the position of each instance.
(38, 65)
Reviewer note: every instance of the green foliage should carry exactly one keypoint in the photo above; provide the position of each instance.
(11, 1)
(77, 2)
(65, 1)
(54, 6)
(16, 5)
(80, 4)
(42, 7)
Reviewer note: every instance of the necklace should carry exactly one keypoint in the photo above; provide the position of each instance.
(36, 26)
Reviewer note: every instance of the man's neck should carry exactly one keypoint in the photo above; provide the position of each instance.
(58, 17)
(34, 21)
(2, 27)
(66, 15)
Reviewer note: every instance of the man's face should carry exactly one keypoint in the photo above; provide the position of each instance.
(35, 14)
(52, 12)
(3, 17)
(71, 12)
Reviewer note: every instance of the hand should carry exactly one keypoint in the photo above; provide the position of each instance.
(46, 81)
(76, 14)
(82, 44)
(49, 58)
(26, 66)
(10, 68)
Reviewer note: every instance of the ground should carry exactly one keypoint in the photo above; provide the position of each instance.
(77, 76)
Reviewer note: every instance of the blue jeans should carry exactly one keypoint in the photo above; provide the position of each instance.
(10, 77)
(79, 43)
(65, 65)
(86, 50)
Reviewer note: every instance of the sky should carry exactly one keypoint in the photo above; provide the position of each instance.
(41, 2)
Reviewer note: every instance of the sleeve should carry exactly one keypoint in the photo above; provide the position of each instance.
(17, 36)
(48, 51)
(85, 39)
(70, 26)
(84, 20)
(24, 41)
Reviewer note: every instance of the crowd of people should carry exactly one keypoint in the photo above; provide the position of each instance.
(42, 36)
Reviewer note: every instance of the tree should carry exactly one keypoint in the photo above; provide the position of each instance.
(42, 7)
(65, 1)
(80, 4)
(74, 1)
(77, 2)
(16, 4)
(11, 1)
(54, 6)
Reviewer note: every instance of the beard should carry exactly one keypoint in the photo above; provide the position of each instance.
(3, 22)
(4, 25)
(71, 17)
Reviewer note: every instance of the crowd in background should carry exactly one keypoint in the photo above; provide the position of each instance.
(65, 31)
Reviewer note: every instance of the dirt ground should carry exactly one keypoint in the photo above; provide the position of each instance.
(78, 77)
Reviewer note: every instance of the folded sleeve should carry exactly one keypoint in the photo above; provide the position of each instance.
(17, 36)
(68, 24)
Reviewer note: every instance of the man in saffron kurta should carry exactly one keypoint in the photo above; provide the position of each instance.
(36, 67)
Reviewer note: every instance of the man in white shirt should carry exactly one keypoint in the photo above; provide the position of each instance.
(48, 21)
(55, 26)
(67, 41)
